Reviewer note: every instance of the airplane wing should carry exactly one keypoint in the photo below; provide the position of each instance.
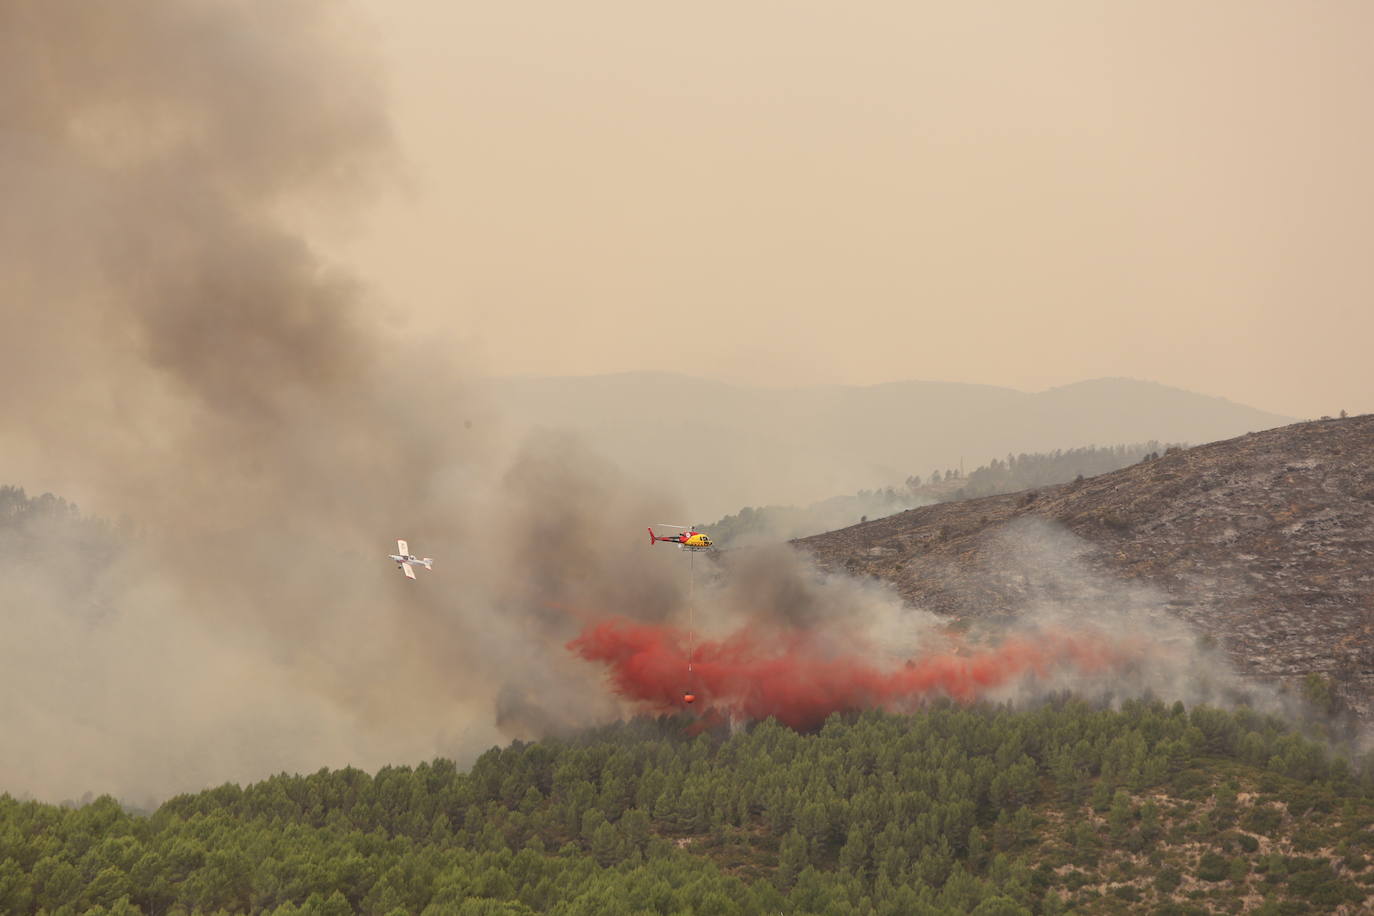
(402, 548)
(408, 569)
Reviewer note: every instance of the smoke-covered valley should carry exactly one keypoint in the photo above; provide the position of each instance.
(181, 360)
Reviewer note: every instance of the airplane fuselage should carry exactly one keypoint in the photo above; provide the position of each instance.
(406, 561)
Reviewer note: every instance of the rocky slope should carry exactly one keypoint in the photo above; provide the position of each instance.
(1264, 543)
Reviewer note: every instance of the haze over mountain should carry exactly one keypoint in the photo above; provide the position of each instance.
(798, 445)
(815, 198)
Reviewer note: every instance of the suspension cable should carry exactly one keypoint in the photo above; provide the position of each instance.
(691, 610)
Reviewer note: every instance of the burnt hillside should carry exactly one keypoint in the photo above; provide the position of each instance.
(1264, 542)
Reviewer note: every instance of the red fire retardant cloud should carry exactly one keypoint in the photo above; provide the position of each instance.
(755, 675)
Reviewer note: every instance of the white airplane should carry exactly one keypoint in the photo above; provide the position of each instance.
(404, 559)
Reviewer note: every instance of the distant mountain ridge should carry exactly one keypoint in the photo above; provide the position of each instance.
(724, 446)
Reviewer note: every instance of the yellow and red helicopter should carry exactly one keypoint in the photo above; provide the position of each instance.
(690, 539)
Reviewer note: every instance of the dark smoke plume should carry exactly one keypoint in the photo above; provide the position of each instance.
(177, 354)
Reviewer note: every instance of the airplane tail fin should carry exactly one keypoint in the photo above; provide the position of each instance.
(652, 538)
(429, 563)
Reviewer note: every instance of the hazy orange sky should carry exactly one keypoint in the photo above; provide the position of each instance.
(793, 192)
